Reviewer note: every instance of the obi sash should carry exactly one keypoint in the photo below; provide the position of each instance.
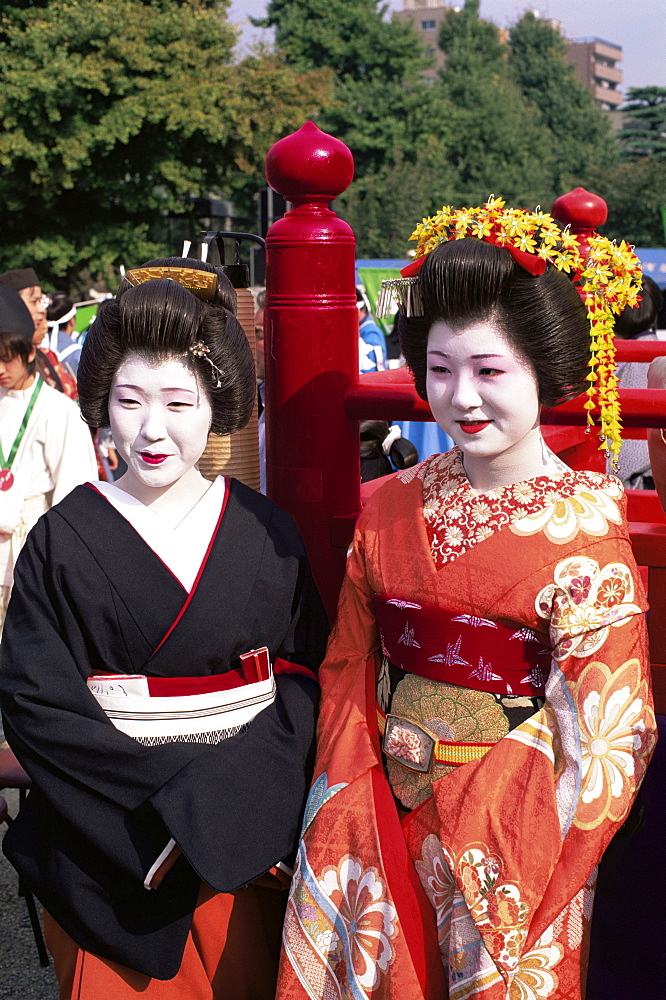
(154, 710)
(464, 650)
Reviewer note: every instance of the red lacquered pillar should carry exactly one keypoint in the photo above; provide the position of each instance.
(311, 343)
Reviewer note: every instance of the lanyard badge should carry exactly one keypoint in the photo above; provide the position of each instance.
(6, 474)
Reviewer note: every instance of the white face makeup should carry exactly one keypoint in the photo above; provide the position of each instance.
(484, 394)
(160, 419)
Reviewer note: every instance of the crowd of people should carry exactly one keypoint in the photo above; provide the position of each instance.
(229, 804)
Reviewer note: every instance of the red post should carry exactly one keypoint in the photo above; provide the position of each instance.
(311, 339)
(583, 211)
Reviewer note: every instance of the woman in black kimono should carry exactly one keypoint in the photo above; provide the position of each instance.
(168, 768)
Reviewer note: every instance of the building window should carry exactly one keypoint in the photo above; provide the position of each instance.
(428, 25)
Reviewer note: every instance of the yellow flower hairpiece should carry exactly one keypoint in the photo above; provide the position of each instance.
(608, 280)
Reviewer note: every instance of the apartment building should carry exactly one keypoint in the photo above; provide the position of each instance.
(596, 64)
(426, 16)
(595, 61)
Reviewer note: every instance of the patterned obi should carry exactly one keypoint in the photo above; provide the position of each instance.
(463, 650)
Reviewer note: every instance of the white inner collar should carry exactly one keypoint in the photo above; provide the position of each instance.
(182, 548)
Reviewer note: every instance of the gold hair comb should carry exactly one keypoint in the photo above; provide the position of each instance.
(203, 284)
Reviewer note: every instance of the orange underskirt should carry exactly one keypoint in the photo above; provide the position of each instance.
(231, 953)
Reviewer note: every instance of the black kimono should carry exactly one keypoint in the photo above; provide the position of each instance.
(91, 596)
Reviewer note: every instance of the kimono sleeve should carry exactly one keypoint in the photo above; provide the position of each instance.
(68, 449)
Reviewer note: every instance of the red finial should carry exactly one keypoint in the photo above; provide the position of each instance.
(583, 212)
(309, 164)
(580, 209)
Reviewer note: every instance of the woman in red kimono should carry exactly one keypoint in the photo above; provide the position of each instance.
(486, 715)
(158, 675)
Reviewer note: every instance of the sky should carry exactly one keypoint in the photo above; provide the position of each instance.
(638, 26)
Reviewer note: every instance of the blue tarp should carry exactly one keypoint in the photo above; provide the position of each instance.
(653, 262)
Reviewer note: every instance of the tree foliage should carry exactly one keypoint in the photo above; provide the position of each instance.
(497, 143)
(579, 132)
(382, 105)
(635, 193)
(350, 36)
(644, 131)
(508, 119)
(383, 206)
(469, 42)
(117, 112)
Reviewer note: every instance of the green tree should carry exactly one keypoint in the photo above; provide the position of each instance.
(350, 36)
(468, 41)
(383, 207)
(635, 193)
(644, 131)
(497, 143)
(117, 112)
(381, 104)
(580, 132)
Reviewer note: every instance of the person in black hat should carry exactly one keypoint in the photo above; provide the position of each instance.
(45, 448)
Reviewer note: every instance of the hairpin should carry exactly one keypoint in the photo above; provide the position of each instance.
(200, 350)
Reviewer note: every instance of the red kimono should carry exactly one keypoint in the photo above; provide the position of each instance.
(488, 866)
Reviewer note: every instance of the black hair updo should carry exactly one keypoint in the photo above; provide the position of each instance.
(469, 281)
(162, 320)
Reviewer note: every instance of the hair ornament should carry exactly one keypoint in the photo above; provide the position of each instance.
(200, 350)
(607, 279)
(203, 284)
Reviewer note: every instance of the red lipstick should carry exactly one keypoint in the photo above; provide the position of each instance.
(473, 426)
(150, 459)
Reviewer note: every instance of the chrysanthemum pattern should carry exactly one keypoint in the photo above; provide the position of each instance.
(339, 928)
(562, 518)
(435, 870)
(583, 603)
(495, 905)
(367, 918)
(535, 976)
(458, 517)
(452, 713)
(616, 726)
